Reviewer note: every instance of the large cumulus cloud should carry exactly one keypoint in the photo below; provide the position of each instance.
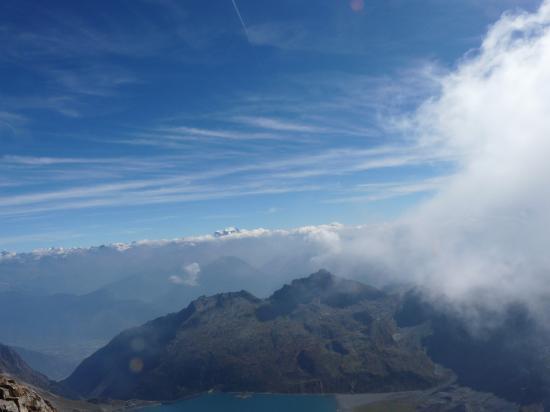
(488, 228)
(484, 236)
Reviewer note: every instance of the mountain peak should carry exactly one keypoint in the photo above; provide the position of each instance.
(227, 231)
(321, 287)
(322, 275)
(223, 299)
(326, 288)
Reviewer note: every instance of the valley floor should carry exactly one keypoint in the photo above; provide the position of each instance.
(449, 397)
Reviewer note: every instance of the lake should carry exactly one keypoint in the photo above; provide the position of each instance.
(255, 403)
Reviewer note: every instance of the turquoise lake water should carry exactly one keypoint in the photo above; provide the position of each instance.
(255, 403)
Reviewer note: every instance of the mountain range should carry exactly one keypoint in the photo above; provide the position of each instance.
(172, 292)
(318, 334)
(55, 332)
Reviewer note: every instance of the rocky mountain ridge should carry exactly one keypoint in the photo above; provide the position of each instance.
(320, 334)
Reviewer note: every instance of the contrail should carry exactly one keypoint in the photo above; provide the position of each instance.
(9, 126)
(240, 17)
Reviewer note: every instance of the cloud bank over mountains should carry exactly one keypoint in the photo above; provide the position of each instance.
(483, 237)
(178, 261)
(487, 229)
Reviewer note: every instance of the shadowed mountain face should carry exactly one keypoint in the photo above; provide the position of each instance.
(319, 334)
(321, 288)
(509, 358)
(12, 364)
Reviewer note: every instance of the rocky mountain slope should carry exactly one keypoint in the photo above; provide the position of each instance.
(509, 356)
(13, 365)
(318, 334)
(16, 397)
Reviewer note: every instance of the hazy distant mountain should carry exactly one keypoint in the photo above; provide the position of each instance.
(54, 367)
(73, 271)
(224, 274)
(318, 334)
(68, 326)
(281, 266)
(173, 290)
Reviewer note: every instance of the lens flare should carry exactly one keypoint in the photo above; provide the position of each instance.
(136, 365)
(357, 5)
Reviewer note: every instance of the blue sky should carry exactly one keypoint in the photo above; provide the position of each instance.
(124, 120)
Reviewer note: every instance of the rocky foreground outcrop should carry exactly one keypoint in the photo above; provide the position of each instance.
(16, 397)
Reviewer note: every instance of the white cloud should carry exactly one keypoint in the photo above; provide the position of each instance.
(288, 174)
(175, 279)
(191, 274)
(487, 228)
(184, 132)
(277, 124)
(269, 250)
(483, 237)
(370, 192)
